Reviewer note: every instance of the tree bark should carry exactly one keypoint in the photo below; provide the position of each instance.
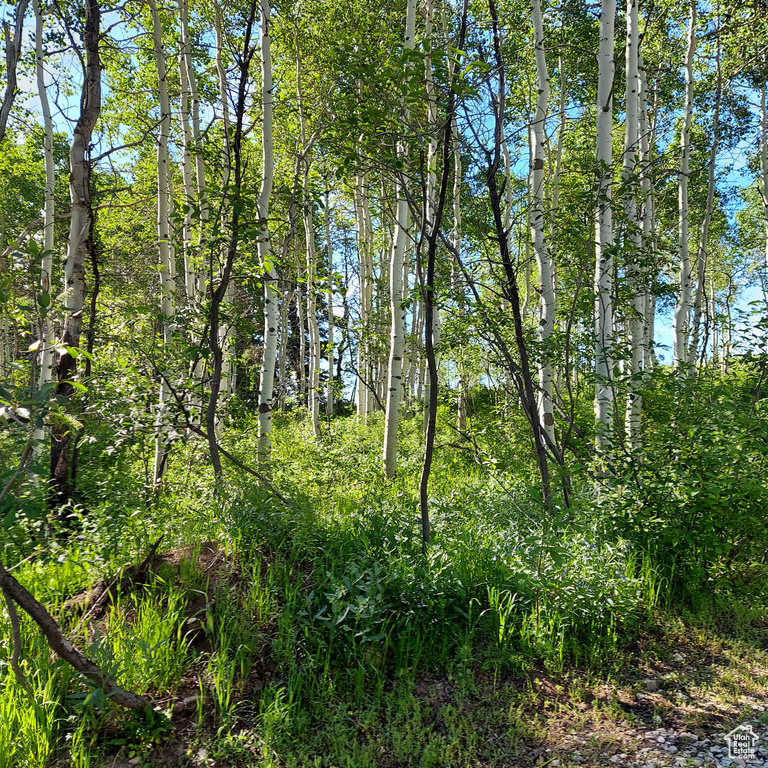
(397, 317)
(220, 291)
(330, 391)
(604, 395)
(267, 379)
(633, 238)
(547, 307)
(764, 162)
(77, 245)
(12, 56)
(700, 297)
(680, 322)
(47, 340)
(166, 258)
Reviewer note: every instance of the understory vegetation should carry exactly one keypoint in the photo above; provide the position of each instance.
(309, 625)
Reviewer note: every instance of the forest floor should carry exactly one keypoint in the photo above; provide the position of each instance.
(669, 698)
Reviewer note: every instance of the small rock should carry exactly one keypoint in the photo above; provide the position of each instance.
(650, 685)
(678, 657)
(661, 740)
(689, 736)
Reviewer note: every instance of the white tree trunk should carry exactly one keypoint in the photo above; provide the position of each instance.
(79, 234)
(267, 379)
(167, 286)
(461, 406)
(365, 259)
(647, 142)
(282, 350)
(313, 382)
(190, 276)
(397, 319)
(604, 397)
(701, 253)
(633, 238)
(680, 322)
(47, 342)
(330, 393)
(547, 308)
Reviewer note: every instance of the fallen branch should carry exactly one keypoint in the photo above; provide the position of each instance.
(60, 645)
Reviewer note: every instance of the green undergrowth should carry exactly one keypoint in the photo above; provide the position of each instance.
(329, 635)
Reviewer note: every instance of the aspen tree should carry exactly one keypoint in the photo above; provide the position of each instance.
(397, 318)
(647, 141)
(544, 263)
(604, 397)
(364, 228)
(12, 56)
(77, 245)
(313, 381)
(680, 322)
(46, 332)
(700, 296)
(764, 162)
(226, 337)
(633, 239)
(431, 190)
(461, 409)
(331, 319)
(167, 270)
(190, 276)
(267, 379)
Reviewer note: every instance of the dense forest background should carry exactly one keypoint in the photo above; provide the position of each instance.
(348, 350)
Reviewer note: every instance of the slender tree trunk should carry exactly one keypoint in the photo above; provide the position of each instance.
(397, 318)
(330, 391)
(313, 379)
(167, 286)
(190, 274)
(12, 56)
(431, 190)
(547, 307)
(226, 336)
(633, 237)
(647, 142)
(428, 293)
(77, 246)
(764, 162)
(680, 323)
(219, 290)
(364, 229)
(267, 379)
(604, 395)
(47, 341)
(701, 256)
(461, 408)
(511, 289)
